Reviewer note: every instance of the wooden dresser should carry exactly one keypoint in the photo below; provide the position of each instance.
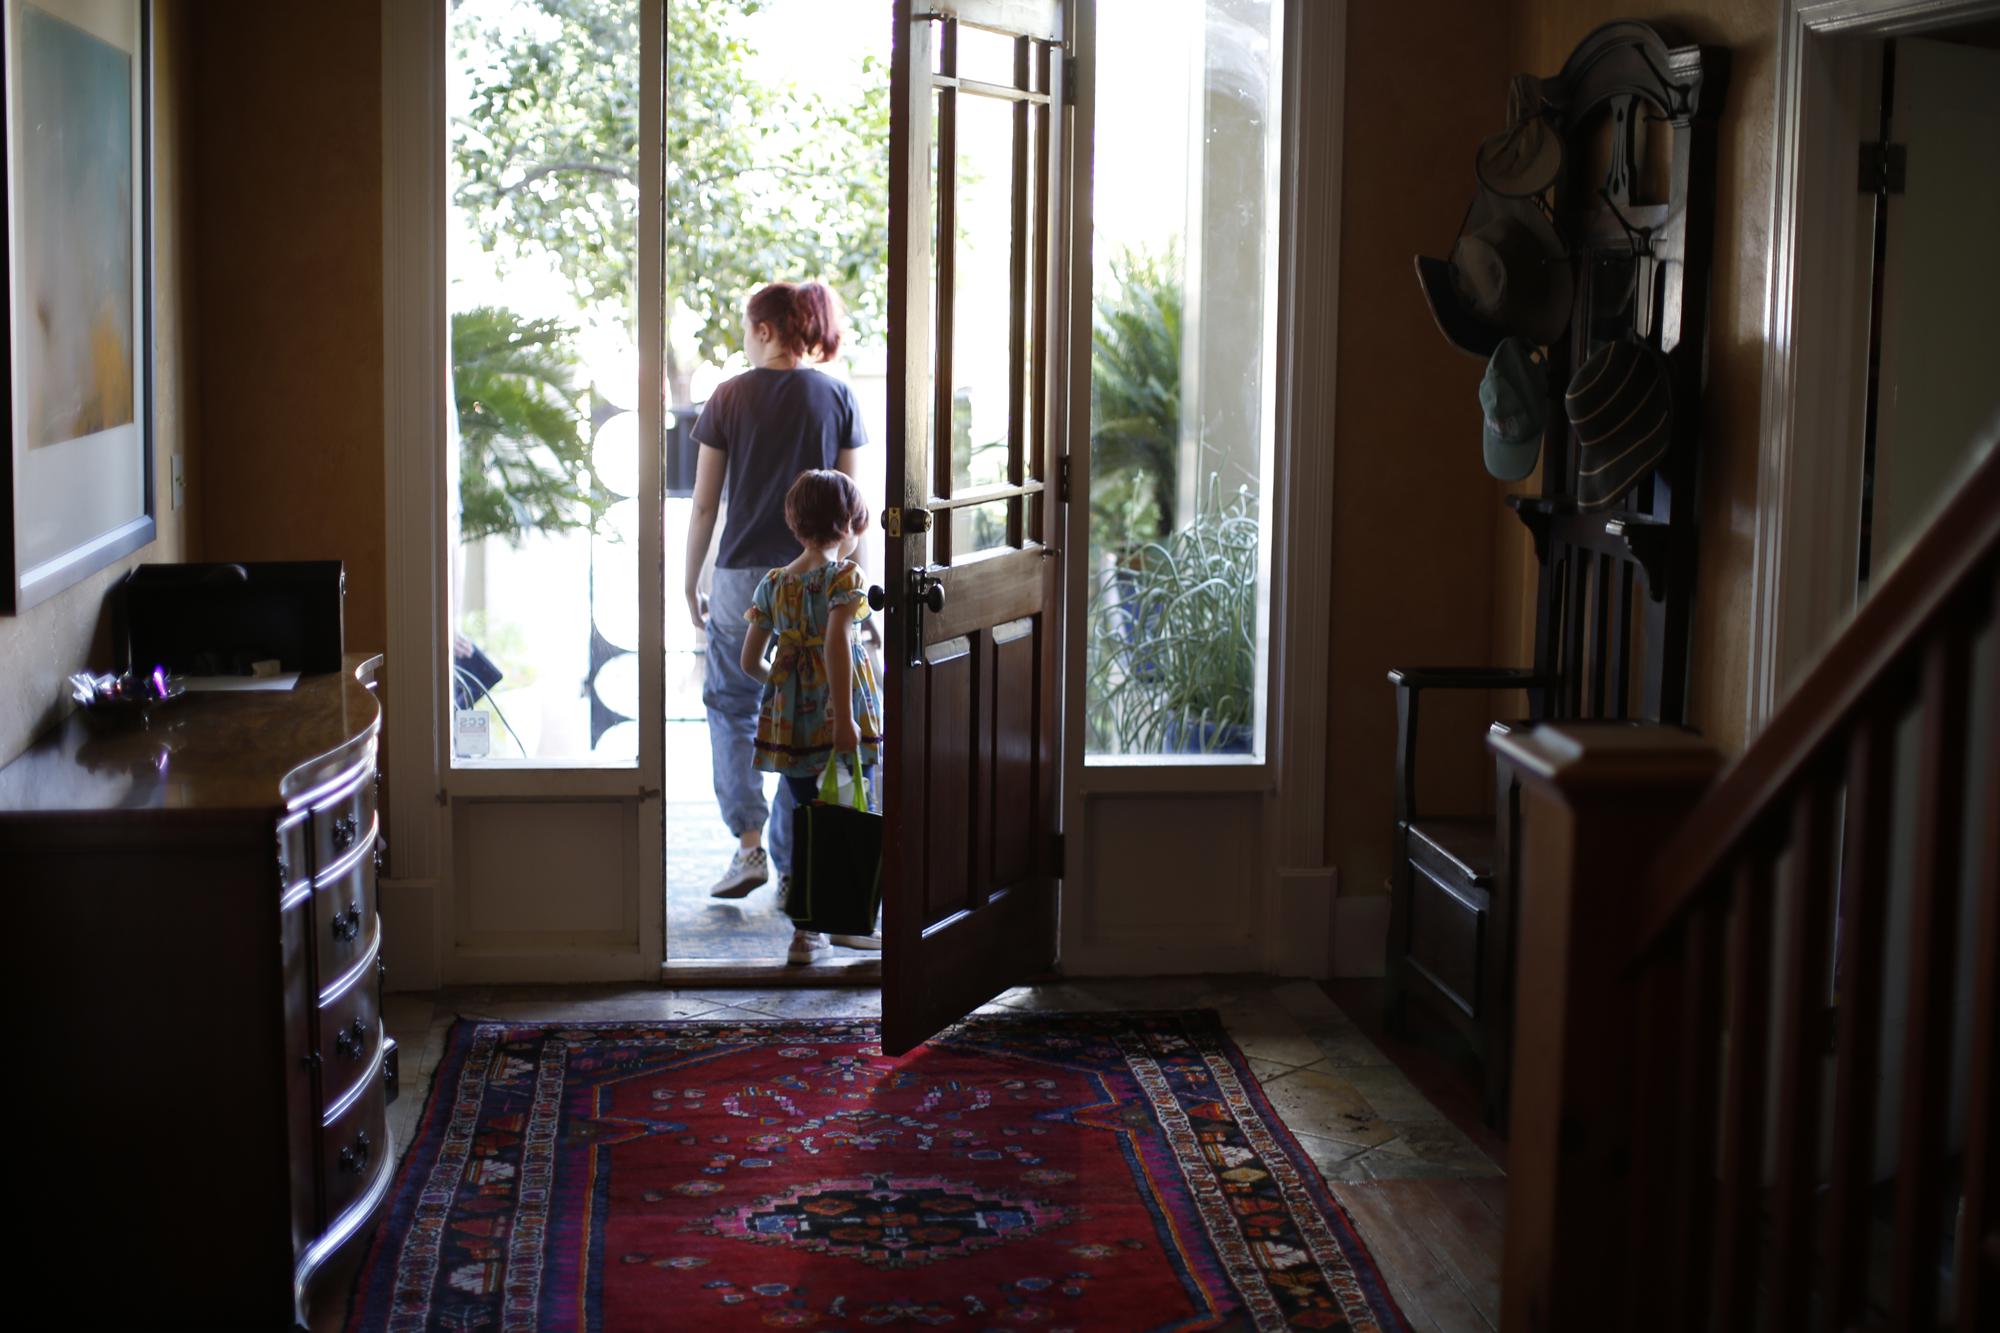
(196, 948)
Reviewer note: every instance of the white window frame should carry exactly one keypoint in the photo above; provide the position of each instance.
(428, 941)
(1291, 889)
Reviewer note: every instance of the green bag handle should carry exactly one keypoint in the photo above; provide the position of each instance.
(829, 783)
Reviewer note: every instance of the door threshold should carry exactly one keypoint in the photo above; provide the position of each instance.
(686, 973)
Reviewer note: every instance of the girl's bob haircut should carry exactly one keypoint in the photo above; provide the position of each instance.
(823, 506)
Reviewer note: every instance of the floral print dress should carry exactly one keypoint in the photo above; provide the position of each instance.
(795, 721)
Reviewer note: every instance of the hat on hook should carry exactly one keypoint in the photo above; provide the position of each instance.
(1525, 158)
(1508, 274)
(1620, 403)
(1514, 400)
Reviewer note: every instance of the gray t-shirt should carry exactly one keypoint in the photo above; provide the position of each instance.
(773, 424)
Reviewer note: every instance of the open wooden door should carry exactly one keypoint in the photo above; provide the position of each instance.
(978, 414)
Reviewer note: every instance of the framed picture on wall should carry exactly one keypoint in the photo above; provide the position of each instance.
(78, 489)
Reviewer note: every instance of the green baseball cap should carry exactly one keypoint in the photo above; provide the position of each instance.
(1515, 401)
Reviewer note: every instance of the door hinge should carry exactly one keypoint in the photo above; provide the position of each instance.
(913, 520)
(1058, 852)
(1883, 167)
(1062, 479)
(1069, 81)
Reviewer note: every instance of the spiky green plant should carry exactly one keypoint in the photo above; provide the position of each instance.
(1172, 646)
(524, 448)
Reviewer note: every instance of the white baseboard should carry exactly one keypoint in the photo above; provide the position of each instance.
(1360, 936)
(411, 946)
(1158, 955)
(504, 969)
(1303, 939)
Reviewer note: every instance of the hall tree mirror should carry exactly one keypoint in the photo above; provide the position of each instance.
(1057, 232)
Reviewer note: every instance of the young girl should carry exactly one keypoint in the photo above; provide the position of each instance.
(820, 697)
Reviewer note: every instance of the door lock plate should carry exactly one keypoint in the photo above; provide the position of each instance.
(896, 521)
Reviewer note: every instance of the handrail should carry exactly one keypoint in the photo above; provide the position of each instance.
(1890, 626)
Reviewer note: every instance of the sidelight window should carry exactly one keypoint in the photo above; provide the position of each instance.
(1183, 387)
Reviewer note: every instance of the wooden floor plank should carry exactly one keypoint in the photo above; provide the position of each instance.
(1492, 1191)
(1388, 1214)
(1466, 1238)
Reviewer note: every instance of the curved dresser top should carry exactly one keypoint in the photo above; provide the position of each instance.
(254, 750)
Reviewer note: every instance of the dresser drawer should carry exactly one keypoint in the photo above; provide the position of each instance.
(343, 823)
(349, 1035)
(354, 1148)
(294, 850)
(344, 922)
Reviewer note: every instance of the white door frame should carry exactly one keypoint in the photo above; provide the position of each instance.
(1287, 890)
(415, 363)
(1816, 333)
(425, 908)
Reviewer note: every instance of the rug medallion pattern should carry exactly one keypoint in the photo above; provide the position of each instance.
(1048, 1171)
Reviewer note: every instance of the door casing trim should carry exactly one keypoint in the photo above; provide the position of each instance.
(1805, 547)
(413, 338)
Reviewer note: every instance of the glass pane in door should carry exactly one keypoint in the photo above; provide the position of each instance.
(982, 357)
(542, 255)
(1183, 390)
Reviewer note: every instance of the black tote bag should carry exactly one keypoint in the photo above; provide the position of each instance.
(836, 859)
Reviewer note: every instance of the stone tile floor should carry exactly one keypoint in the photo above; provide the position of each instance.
(750, 929)
(747, 929)
(1408, 1176)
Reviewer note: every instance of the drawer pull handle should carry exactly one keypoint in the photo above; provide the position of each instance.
(346, 828)
(355, 1158)
(351, 1040)
(347, 925)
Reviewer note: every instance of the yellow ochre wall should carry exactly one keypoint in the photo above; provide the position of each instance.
(287, 111)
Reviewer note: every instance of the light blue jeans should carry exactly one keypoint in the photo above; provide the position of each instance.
(732, 697)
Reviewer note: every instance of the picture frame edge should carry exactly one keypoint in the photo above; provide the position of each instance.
(143, 531)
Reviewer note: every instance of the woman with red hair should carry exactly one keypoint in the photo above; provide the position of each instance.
(757, 433)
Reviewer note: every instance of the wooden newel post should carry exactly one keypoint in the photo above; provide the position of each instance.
(1597, 800)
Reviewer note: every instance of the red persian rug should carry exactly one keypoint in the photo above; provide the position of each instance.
(1049, 1171)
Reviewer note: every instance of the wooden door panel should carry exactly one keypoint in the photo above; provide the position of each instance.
(990, 590)
(947, 779)
(1012, 818)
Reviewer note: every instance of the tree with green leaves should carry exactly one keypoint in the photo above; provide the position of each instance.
(524, 451)
(763, 183)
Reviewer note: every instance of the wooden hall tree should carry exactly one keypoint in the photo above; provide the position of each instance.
(1634, 206)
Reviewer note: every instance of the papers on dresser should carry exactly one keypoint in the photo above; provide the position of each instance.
(236, 684)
